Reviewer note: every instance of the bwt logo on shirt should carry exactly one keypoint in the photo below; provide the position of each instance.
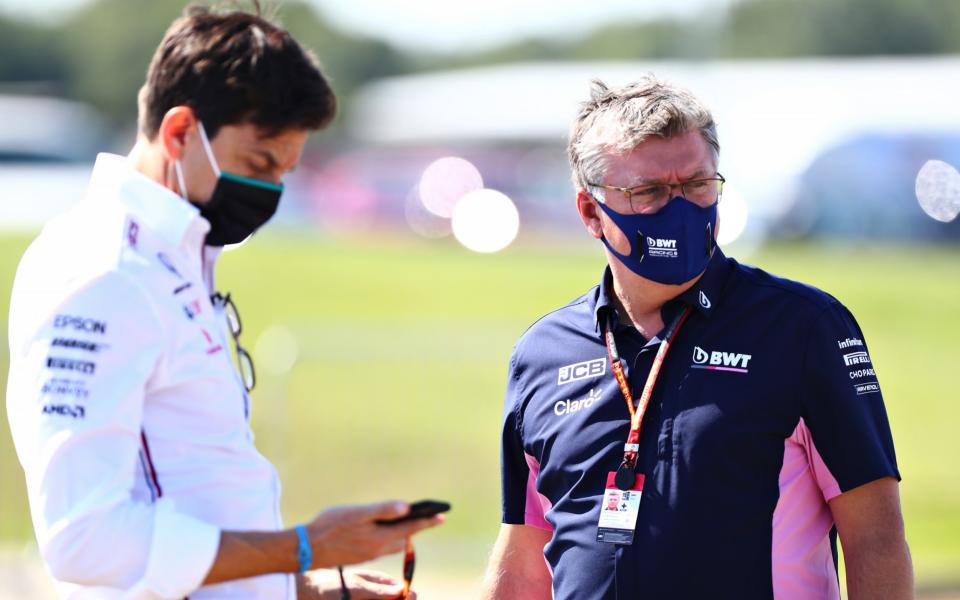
(662, 248)
(582, 370)
(856, 358)
(720, 361)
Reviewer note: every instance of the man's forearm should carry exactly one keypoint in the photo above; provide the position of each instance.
(245, 554)
(879, 570)
(512, 586)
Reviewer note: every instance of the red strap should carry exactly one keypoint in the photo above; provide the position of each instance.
(616, 363)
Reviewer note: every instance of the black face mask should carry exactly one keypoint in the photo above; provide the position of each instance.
(238, 206)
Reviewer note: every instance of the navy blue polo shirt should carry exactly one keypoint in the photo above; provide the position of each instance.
(767, 407)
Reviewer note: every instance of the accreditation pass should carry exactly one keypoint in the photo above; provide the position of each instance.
(618, 513)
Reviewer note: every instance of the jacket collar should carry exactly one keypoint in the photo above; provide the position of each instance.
(153, 206)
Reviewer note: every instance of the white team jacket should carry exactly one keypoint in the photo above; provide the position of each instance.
(127, 412)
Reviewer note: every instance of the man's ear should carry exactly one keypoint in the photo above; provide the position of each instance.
(589, 213)
(178, 124)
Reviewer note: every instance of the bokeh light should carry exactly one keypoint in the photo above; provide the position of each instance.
(277, 350)
(422, 221)
(734, 214)
(938, 190)
(485, 221)
(445, 181)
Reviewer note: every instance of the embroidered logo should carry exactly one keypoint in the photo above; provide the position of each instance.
(582, 370)
(720, 361)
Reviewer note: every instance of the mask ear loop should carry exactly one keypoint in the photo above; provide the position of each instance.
(180, 180)
(636, 246)
(208, 149)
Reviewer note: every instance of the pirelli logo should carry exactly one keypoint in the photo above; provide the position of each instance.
(856, 358)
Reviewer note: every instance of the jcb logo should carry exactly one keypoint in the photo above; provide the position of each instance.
(582, 370)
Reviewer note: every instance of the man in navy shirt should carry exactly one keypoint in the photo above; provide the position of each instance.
(691, 427)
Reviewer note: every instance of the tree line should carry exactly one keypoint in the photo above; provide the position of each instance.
(99, 53)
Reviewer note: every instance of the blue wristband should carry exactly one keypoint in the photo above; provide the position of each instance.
(304, 552)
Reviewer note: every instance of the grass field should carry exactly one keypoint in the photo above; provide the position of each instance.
(381, 366)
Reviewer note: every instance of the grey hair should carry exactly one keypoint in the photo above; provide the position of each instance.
(615, 121)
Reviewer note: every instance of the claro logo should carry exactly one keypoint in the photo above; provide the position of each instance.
(720, 361)
(566, 407)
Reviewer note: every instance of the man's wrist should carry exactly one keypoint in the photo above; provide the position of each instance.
(304, 551)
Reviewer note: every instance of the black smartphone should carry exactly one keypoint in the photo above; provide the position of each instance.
(419, 510)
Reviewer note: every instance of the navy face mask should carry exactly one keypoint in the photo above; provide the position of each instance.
(671, 246)
(238, 206)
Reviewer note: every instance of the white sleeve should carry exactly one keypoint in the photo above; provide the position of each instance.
(78, 370)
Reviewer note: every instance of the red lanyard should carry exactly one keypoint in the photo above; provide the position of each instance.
(625, 474)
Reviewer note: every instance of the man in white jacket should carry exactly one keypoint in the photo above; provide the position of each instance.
(129, 416)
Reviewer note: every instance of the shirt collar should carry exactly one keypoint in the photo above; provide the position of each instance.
(151, 204)
(702, 296)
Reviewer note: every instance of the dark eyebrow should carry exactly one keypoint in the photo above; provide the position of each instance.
(272, 162)
(271, 159)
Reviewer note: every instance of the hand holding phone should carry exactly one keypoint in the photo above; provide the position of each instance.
(419, 510)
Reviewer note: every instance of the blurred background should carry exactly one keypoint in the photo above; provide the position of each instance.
(435, 221)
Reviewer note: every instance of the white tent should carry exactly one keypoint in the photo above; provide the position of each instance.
(774, 117)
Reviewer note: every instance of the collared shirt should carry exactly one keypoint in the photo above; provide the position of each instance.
(767, 407)
(127, 412)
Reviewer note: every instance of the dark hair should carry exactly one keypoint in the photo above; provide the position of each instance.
(234, 67)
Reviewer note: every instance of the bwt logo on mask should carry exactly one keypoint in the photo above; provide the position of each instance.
(720, 361)
(662, 248)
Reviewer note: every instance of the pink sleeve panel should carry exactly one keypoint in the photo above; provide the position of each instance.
(803, 566)
(537, 504)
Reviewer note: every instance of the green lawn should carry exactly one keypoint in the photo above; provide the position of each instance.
(399, 349)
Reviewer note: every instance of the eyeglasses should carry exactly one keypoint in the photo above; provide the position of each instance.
(703, 192)
(409, 561)
(243, 357)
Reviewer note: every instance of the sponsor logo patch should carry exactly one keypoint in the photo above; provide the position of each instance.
(581, 370)
(717, 360)
(68, 364)
(133, 232)
(661, 248)
(868, 387)
(193, 309)
(78, 344)
(862, 373)
(704, 301)
(566, 407)
(856, 358)
(212, 347)
(168, 264)
(849, 343)
(80, 324)
(74, 411)
(65, 387)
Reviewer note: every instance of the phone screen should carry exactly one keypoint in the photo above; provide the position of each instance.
(419, 510)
